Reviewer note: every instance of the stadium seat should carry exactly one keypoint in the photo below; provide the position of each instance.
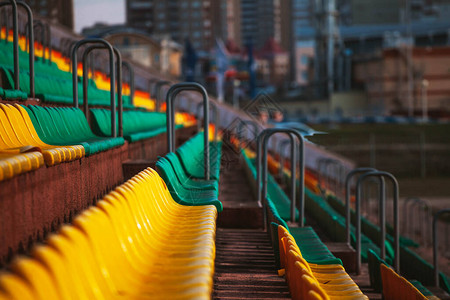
(183, 194)
(191, 156)
(68, 126)
(23, 134)
(397, 287)
(137, 125)
(14, 287)
(185, 179)
(136, 243)
(328, 281)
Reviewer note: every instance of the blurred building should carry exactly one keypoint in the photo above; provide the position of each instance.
(201, 21)
(56, 11)
(262, 20)
(272, 63)
(384, 79)
(162, 54)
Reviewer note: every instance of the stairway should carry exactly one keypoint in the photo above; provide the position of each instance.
(245, 264)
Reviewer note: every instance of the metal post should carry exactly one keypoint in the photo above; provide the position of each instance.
(406, 213)
(264, 137)
(410, 212)
(38, 23)
(241, 125)
(435, 244)
(174, 90)
(347, 198)
(30, 40)
(15, 42)
(425, 85)
(339, 167)
(423, 161)
(293, 172)
(157, 93)
(280, 149)
(320, 164)
(74, 58)
(372, 144)
(417, 206)
(119, 83)
(216, 118)
(5, 17)
(396, 219)
(49, 42)
(130, 79)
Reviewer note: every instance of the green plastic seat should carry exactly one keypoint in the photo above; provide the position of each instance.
(191, 157)
(185, 179)
(137, 125)
(183, 195)
(68, 126)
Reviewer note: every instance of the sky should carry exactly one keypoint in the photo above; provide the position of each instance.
(89, 12)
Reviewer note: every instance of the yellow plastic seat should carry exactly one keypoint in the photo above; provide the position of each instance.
(21, 133)
(332, 280)
(15, 159)
(36, 277)
(136, 243)
(14, 287)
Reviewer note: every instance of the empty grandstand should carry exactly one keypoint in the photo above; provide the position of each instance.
(109, 191)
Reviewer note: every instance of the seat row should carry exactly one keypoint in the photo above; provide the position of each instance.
(51, 84)
(22, 149)
(136, 243)
(330, 210)
(312, 247)
(137, 125)
(34, 136)
(311, 270)
(52, 89)
(411, 264)
(183, 172)
(396, 287)
(313, 281)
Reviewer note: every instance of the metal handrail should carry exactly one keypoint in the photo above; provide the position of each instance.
(262, 140)
(74, 59)
(325, 162)
(321, 162)
(380, 174)
(30, 40)
(38, 23)
(435, 244)
(347, 198)
(405, 210)
(119, 83)
(241, 124)
(216, 118)
(49, 42)
(172, 93)
(157, 92)
(130, 79)
(410, 210)
(15, 42)
(281, 162)
(5, 17)
(423, 206)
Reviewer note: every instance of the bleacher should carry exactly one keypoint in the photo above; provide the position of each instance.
(73, 226)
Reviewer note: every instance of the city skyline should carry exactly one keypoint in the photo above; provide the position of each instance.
(89, 12)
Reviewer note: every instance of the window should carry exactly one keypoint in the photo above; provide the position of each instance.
(305, 59)
(305, 75)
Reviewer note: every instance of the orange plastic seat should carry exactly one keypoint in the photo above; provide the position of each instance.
(397, 287)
